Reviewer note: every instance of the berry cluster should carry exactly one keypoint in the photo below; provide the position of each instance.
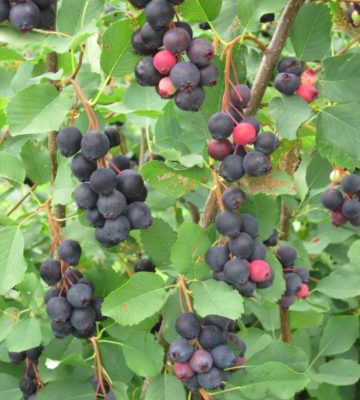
(354, 15)
(201, 355)
(164, 44)
(112, 196)
(296, 278)
(69, 302)
(344, 208)
(30, 383)
(236, 157)
(26, 15)
(241, 261)
(291, 79)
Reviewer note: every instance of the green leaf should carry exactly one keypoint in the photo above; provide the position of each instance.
(271, 378)
(11, 167)
(157, 241)
(340, 80)
(339, 334)
(354, 253)
(126, 304)
(12, 262)
(187, 256)
(339, 149)
(318, 172)
(274, 292)
(37, 109)
(311, 32)
(217, 298)
(289, 113)
(339, 372)
(9, 387)
(305, 319)
(142, 354)
(17, 341)
(200, 10)
(69, 390)
(37, 161)
(117, 56)
(165, 387)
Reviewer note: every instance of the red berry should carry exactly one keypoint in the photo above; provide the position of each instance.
(164, 61)
(308, 92)
(166, 89)
(244, 133)
(303, 293)
(183, 371)
(259, 271)
(309, 76)
(219, 149)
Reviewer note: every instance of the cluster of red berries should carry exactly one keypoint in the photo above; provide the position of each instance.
(164, 43)
(201, 355)
(240, 261)
(292, 80)
(344, 202)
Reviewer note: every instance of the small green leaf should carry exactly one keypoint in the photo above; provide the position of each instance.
(200, 10)
(165, 387)
(69, 390)
(37, 161)
(9, 387)
(11, 167)
(339, 372)
(17, 341)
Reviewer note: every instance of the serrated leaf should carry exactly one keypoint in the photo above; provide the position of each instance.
(165, 387)
(126, 304)
(200, 10)
(339, 372)
(69, 390)
(17, 341)
(11, 167)
(37, 161)
(318, 172)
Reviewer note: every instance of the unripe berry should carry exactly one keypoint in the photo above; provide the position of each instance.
(244, 133)
(309, 76)
(164, 61)
(336, 177)
(303, 293)
(308, 92)
(183, 371)
(259, 271)
(166, 89)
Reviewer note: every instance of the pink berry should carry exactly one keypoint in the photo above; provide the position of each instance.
(239, 361)
(166, 89)
(201, 361)
(244, 133)
(183, 371)
(309, 76)
(259, 271)
(219, 149)
(338, 219)
(164, 61)
(303, 293)
(308, 92)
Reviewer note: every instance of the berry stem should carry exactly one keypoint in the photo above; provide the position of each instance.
(186, 292)
(98, 367)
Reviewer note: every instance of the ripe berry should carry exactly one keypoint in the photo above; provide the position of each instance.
(85, 333)
(267, 282)
(176, 2)
(73, 275)
(233, 198)
(355, 221)
(42, 4)
(188, 325)
(183, 371)
(4, 10)
(201, 52)
(256, 164)
(211, 380)
(259, 271)
(58, 309)
(332, 199)
(308, 92)
(223, 323)
(159, 13)
(110, 396)
(272, 240)
(185, 76)
(228, 223)
(145, 72)
(82, 318)
(47, 18)
(351, 208)
(249, 225)
(267, 18)
(303, 293)
(82, 168)
(113, 135)
(113, 232)
(50, 272)
(219, 149)
(17, 358)
(220, 125)
(177, 40)
(95, 145)
(287, 255)
(62, 330)
(293, 283)
(267, 143)
(201, 361)
(130, 184)
(138, 44)
(290, 65)
(211, 336)
(112, 205)
(237, 113)
(27, 386)
(259, 252)
(25, 16)
(303, 273)
(223, 356)
(96, 304)
(236, 271)
(190, 101)
(338, 219)
(70, 251)
(287, 83)
(232, 168)
(351, 184)
(120, 162)
(209, 75)
(69, 141)
(166, 89)
(205, 26)
(240, 96)
(84, 196)
(186, 26)
(193, 384)
(287, 301)
(139, 215)
(50, 293)
(151, 37)
(164, 61)
(139, 3)
(103, 181)
(241, 246)
(244, 133)
(309, 76)
(144, 265)
(216, 257)
(94, 217)
(79, 295)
